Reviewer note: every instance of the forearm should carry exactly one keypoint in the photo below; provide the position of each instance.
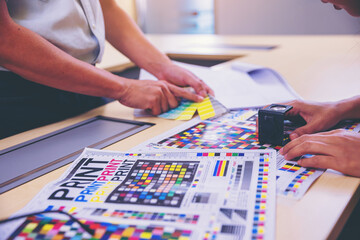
(29, 55)
(123, 33)
(349, 108)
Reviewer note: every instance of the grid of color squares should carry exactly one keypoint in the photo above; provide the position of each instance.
(221, 168)
(149, 216)
(37, 227)
(258, 230)
(187, 109)
(298, 180)
(208, 135)
(156, 183)
(290, 167)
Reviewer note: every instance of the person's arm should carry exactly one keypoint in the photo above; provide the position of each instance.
(34, 58)
(31, 56)
(322, 116)
(123, 33)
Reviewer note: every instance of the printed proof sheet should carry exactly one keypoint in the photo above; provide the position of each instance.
(235, 130)
(192, 194)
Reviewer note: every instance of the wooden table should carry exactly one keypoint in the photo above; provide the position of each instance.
(323, 68)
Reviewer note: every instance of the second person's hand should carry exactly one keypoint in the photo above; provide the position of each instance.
(337, 149)
(318, 116)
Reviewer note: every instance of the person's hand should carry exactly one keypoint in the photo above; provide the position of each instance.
(179, 76)
(337, 149)
(318, 116)
(156, 96)
(351, 6)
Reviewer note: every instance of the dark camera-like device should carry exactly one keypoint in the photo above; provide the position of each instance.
(274, 127)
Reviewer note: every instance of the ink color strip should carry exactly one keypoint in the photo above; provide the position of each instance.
(205, 109)
(289, 167)
(210, 154)
(354, 127)
(259, 220)
(221, 167)
(149, 216)
(295, 184)
(49, 228)
(155, 183)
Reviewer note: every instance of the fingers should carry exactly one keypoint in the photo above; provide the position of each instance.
(181, 92)
(306, 144)
(318, 161)
(308, 147)
(307, 129)
(170, 97)
(164, 99)
(337, 7)
(198, 85)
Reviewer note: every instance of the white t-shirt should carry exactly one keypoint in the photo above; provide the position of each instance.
(74, 26)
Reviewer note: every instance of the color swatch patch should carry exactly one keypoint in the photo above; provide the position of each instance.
(187, 109)
(50, 228)
(155, 183)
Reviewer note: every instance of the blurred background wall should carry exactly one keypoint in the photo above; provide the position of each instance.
(282, 17)
(240, 17)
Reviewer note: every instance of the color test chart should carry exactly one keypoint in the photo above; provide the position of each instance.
(188, 194)
(161, 183)
(234, 130)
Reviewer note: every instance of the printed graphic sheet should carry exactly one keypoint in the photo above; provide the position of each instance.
(192, 194)
(234, 130)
